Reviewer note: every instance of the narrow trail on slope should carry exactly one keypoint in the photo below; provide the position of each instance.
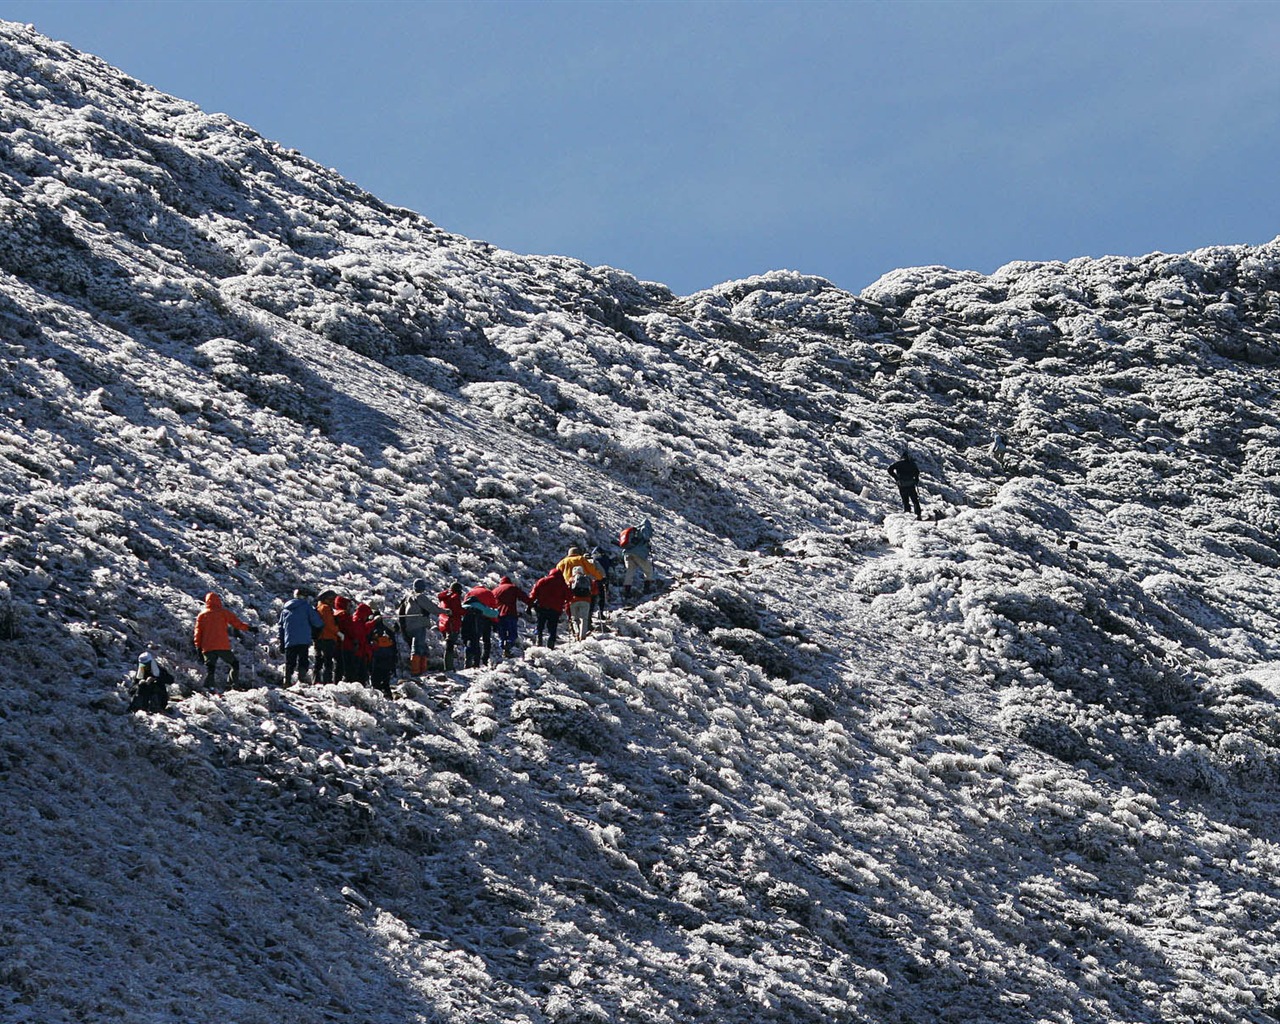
(864, 652)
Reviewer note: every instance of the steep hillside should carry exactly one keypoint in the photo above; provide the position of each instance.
(1014, 762)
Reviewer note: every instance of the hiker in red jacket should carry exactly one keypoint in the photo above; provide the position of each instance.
(361, 644)
(509, 596)
(450, 622)
(550, 596)
(343, 608)
(483, 596)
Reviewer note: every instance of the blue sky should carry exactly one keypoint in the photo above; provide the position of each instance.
(693, 143)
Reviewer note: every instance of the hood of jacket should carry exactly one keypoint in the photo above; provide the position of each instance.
(212, 602)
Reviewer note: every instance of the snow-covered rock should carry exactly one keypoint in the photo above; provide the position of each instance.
(1014, 762)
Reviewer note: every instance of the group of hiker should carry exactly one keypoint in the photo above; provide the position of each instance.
(334, 638)
(337, 639)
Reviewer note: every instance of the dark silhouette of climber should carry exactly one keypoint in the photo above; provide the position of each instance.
(906, 474)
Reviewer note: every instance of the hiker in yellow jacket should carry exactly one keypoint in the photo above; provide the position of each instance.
(573, 560)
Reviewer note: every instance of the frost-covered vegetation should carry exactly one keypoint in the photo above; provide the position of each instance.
(1017, 762)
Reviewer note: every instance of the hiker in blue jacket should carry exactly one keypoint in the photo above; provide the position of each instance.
(299, 625)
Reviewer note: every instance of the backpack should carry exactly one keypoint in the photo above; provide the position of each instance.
(381, 637)
(627, 537)
(581, 585)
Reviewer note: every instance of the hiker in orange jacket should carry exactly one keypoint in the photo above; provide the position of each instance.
(327, 642)
(213, 639)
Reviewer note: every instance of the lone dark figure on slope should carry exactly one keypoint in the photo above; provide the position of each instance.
(906, 474)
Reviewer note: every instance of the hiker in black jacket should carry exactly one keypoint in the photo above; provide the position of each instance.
(906, 474)
(150, 685)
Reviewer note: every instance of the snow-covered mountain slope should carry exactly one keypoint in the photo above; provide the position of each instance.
(1016, 762)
